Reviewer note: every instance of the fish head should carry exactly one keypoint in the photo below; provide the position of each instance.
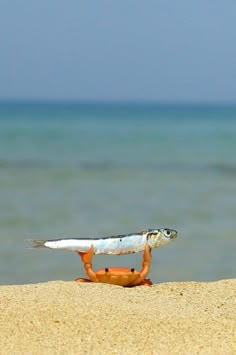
(158, 237)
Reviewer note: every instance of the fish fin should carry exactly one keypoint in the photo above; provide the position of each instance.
(32, 244)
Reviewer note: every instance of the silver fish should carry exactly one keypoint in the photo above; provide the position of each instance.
(115, 245)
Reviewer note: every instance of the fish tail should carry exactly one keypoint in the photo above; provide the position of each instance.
(32, 244)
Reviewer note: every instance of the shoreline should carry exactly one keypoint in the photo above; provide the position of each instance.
(68, 318)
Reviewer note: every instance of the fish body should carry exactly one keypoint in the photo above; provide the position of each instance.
(114, 245)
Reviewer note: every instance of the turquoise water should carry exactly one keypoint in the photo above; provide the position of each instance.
(76, 170)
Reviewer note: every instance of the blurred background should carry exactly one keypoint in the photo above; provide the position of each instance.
(114, 118)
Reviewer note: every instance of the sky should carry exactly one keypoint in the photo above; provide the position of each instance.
(127, 50)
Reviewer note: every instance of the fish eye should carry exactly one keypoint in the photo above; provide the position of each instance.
(167, 232)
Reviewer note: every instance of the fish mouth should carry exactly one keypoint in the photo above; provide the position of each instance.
(173, 234)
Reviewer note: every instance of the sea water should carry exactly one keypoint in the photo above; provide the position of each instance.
(90, 170)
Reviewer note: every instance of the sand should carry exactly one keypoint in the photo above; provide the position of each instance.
(70, 318)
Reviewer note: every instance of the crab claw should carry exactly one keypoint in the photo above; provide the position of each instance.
(87, 260)
(88, 256)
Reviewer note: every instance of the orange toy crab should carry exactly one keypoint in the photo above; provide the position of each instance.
(117, 275)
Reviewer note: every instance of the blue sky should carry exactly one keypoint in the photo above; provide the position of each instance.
(118, 50)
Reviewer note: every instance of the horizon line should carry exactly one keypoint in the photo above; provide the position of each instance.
(91, 102)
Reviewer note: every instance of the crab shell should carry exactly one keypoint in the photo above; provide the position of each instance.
(117, 275)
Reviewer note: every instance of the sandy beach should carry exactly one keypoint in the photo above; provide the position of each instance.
(69, 318)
